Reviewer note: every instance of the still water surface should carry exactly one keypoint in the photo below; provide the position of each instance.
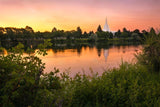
(89, 59)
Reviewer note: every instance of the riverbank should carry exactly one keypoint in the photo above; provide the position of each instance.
(68, 44)
(23, 82)
(130, 85)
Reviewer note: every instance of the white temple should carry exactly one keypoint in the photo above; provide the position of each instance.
(106, 27)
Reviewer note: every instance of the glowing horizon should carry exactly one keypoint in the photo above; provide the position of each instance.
(43, 15)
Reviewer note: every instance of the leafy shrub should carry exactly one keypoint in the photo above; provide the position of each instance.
(150, 57)
(131, 85)
(20, 77)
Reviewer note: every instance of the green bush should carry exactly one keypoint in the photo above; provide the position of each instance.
(131, 85)
(150, 56)
(22, 83)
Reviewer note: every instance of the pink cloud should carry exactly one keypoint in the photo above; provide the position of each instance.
(81, 12)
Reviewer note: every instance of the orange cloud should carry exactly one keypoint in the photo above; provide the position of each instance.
(88, 14)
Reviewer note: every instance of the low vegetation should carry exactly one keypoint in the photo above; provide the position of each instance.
(23, 82)
(150, 57)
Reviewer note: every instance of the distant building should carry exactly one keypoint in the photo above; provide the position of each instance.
(106, 27)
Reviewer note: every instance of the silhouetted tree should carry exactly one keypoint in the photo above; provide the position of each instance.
(125, 33)
(29, 29)
(54, 29)
(78, 32)
(144, 33)
(85, 35)
(118, 33)
(136, 31)
(125, 30)
(90, 33)
(152, 31)
(99, 29)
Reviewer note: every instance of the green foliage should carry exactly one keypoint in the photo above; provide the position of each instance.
(93, 38)
(150, 56)
(27, 35)
(130, 85)
(78, 33)
(18, 49)
(104, 36)
(23, 82)
(19, 77)
(42, 47)
(124, 35)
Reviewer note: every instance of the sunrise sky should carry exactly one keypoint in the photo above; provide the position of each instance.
(43, 15)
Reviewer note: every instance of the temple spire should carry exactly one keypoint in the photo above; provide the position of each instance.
(106, 27)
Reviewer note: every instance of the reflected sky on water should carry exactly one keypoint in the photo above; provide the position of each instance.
(86, 59)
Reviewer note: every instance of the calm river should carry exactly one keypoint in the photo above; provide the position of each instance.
(88, 59)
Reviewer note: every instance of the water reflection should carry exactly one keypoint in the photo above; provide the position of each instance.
(83, 59)
(106, 53)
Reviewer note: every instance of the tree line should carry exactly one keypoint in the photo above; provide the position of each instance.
(27, 33)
